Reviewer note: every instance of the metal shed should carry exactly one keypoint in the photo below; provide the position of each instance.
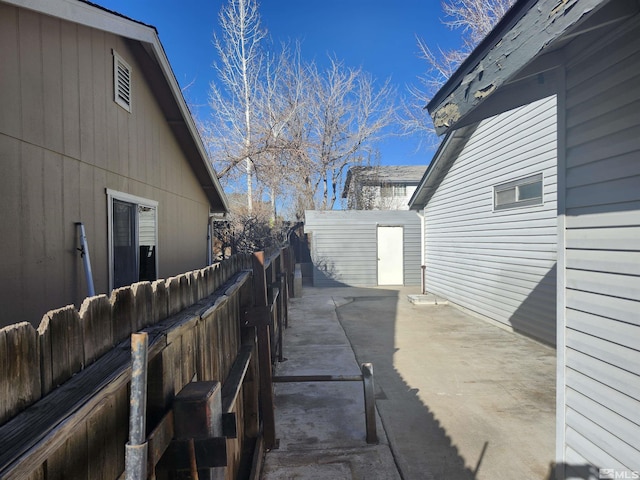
(364, 247)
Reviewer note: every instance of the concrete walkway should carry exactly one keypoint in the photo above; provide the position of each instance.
(459, 398)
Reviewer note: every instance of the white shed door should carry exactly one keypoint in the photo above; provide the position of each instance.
(390, 256)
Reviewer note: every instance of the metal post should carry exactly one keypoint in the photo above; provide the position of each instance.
(136, 449)
(369, 403)
(84, 253)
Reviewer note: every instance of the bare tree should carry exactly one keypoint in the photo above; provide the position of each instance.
(230, 132)
(348, 114)
(281, 99)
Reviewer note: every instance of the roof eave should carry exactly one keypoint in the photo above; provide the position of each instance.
(525, 30)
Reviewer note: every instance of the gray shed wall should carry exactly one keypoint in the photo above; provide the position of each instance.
(344, 245)
(599, 414)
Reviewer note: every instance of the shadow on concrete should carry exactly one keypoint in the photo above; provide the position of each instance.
(421, 445)
(566, 471)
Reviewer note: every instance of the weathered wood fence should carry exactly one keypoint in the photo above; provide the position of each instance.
(64, 388)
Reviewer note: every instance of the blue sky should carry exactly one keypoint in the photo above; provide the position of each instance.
(377, 35)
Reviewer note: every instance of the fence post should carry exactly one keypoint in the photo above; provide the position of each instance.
(264, 352)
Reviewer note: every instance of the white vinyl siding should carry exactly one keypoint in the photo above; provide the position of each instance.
(344, 245)
(499, 264)
(602, 254)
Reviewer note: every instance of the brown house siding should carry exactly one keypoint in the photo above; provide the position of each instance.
(63, 142)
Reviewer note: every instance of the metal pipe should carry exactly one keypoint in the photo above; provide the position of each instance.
(84, 253)
(369, 403)
(316, 378)
(136, 449)
(423, 286)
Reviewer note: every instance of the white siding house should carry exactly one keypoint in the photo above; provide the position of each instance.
(496, 258)
(387, 187)
(587, 52)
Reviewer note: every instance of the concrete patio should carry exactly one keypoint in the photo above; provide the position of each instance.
(457, 397)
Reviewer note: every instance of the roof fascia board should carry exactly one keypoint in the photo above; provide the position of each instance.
(449, 149)
(90, 16)
(510, 47)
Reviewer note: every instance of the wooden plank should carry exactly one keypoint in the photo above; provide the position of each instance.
(21, 368)
(61, 330)
(174, 301)
(264, 354)
(95, 319)
(122, 312)
(71, 460)
(158, 442)
(5, 379)
(233, 384)
(160, 300)
(143, 298)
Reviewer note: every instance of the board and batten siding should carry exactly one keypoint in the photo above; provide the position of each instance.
(498, 264)
(344, 245)
(599, 407)
(63, 143)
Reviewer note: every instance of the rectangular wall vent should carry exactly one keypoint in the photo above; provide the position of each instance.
(122, 82)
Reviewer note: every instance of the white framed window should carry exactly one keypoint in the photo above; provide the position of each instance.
(133, 239)
(523, 192)
(393, 190)
(121, 82)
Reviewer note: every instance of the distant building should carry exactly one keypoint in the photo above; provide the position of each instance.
(381, 187)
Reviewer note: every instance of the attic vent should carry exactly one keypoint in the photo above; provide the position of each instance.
(121, 82)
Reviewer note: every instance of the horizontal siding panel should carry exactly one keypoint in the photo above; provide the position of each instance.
(604, 283)
(621, 333)
(616, 355)
(616, 262)
(502, 303)
(590, 451)
(617, 95)
(624, 455)
(613, 400)
(591, 217)
(606, 306)
(602, 126)
(605, 418)
(618, 379)
(619, 143)
(499, 294)
(609, 192)
(620, 238)
(592, 87)
(604, 170)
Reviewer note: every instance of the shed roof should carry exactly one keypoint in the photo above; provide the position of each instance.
(517, 63)
(148, 51)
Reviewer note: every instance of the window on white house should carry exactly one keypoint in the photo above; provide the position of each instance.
(518, 193)
(133, 233)
(121, 82)
(394, 190)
